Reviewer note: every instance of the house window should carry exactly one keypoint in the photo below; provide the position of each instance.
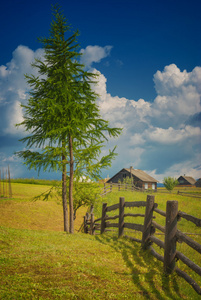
(146, 186)
(153, 186)
(124, 175)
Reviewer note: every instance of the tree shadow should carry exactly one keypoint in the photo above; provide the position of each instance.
(145, 272)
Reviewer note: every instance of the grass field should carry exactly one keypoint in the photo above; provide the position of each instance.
(39, 261)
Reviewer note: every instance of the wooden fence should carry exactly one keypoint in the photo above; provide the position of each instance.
(189, 194)
(172, 234)
(5, 184)
(110, 187)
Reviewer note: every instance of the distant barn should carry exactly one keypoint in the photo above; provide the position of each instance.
(186, 180)
(140, 178)
(198, 183)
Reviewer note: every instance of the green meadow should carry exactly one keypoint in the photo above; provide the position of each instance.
(39, 261)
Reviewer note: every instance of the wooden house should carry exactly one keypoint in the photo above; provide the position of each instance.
(140, 178)
(186, 180)
(198, 183)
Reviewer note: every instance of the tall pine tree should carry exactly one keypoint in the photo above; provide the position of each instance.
(62, 116)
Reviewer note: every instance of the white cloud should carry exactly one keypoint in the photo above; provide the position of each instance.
(15, 111)
(178, 95)
(158, 129)
(13, 88)
(11, 158)
(93, 54)
(189, 168)
(169, 80)
(136, 139)
(173, 136)
(157, 137)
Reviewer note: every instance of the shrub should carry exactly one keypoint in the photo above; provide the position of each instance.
(170, 183)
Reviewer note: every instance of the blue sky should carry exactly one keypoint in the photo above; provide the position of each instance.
(148, 55)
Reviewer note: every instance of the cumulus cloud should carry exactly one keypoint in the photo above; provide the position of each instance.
(94, 54)
(161, 136)
(178, 95)
(14, 89)
(173, 136)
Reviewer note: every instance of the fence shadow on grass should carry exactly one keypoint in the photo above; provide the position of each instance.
(143, 269)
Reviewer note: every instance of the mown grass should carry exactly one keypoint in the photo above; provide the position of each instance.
(34, 181)
(186, 204)
(53, 265)
(24, 213)
(39, 261)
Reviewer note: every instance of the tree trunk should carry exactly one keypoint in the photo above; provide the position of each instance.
(71, 186)
(64, 195)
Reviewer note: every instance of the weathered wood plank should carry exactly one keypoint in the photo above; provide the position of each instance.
(111, 224)
(189, 194)
(134, 215)
(135, 204)
(170, 236)
(181, 236)
(92, 227)
(133, 239)
(112, 218)
(147, 228)
(134, 226)
(156, 254)
(188, 262)
(160, 212)
(113, 207)
(193, 219)
(192, 282)
(104, 208)
(157, 241)
(158, 226)
(121, 216)
(97, 226)
(97, 220)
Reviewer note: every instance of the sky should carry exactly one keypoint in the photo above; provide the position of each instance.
(148, 56)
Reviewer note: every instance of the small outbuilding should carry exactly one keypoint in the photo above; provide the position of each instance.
(140, 178)
(186, 180)
(198, 183)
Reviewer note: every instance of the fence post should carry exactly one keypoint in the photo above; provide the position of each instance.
(147, 222)
(85, 227)
(91, 208)
(92, 224)
(121, 216)
(103, 223)
(110, 187)
(86, 218)
(104, 188)
(170, 236)
(119, 186)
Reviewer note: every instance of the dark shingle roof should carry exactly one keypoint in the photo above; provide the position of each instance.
(142, 175)
(198, 182)
(190, 179)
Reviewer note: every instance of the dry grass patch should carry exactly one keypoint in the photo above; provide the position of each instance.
(23, 213)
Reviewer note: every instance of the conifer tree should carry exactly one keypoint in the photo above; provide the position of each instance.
(62, 116)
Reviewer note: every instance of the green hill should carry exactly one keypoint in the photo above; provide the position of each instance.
(39, 261)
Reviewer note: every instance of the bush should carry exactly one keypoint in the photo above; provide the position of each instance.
(170, 183)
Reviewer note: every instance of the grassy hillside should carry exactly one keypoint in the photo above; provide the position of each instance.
(39, 261)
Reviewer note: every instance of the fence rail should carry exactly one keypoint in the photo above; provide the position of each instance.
(189, 194)
(148, 228)
(110, 187)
